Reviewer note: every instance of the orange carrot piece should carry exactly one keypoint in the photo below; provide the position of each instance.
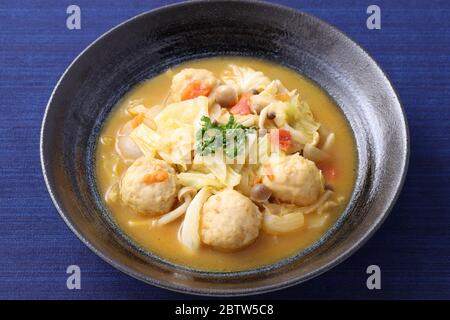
(269, 173)
(243, 106)
(155, 177)
(137, 120)
(195, 89)
(328, 170)
(282, 97)
(257, 180)
(284, 138)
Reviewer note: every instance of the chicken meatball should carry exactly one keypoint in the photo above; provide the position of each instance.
(229, 221)
(190, 83)
(294, 179)
(149, 186)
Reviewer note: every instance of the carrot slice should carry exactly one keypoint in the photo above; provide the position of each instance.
(195, 89)
(137, 120)
(269, 173)
(282, 97)
(155, 177)
(257, 180)
(284, 138)
(243, 105)
(328, 170)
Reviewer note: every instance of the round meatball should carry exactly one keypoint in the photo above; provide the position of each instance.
(149, 186)
(188, 76)
(294, 179)
(229, 221)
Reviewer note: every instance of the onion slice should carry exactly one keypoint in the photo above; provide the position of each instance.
(184, 195)
(263, 117)
(189, 235)
(174, 214)
(317, 221)
(296, 134)
(275, 224)
(314, 154)
(215, 112)
(329, 142)
(316, 205)
(294, 219)
(112, 194)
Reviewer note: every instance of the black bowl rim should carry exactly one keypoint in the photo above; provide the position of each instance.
(229, 292)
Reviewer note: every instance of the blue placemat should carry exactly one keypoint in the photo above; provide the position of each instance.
(413, 246)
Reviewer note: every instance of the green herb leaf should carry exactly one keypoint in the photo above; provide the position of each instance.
(223, 134)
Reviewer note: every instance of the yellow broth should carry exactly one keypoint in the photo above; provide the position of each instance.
(163, 240)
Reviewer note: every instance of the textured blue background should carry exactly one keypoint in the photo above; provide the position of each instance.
(413, 246)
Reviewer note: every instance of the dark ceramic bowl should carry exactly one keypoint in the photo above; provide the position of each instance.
(151, 42)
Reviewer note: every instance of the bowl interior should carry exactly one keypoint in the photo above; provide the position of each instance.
(150, 43)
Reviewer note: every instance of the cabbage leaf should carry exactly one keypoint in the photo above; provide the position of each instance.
(246, 79)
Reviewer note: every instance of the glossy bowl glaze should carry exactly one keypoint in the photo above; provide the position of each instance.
(145, 46)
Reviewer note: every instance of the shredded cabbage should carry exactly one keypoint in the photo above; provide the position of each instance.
(188, 112)
(248, 174)
(245, 79)
(297, 117)
(175, 148)
(291, 112)
(233, 178)
(146, 139)
(263, 149)
(181, 120)
(274, 88)
(178, 146)
(300, 117)
(198, 180)
(215, 164)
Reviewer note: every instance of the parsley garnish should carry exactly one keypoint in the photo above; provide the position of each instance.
(208, 142)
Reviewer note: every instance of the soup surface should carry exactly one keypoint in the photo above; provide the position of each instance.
(183, 210)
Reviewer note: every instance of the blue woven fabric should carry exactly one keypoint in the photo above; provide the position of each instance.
(413, 246)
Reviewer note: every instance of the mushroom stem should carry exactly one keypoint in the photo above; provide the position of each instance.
(185, 194)
(174, 214)
(263, 117)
